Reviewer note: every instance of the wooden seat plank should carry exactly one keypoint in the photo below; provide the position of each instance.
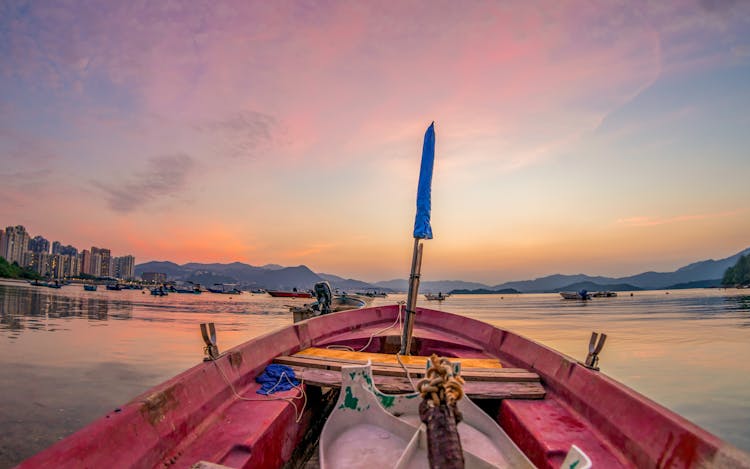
(417, 367)
(399, 385)
(496, 375)
(383, 358)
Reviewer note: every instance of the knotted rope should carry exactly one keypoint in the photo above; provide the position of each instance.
(441, 390)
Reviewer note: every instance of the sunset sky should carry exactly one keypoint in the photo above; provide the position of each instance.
(605, 138)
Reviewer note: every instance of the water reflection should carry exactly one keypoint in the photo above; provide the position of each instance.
(32, 308)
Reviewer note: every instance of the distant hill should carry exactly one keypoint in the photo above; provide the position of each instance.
(695, 272)
(247, 276)
(273, 276)
(697, 284)
(552, 283)
(348, 284)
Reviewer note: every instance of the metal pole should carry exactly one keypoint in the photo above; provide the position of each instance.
(411, 299)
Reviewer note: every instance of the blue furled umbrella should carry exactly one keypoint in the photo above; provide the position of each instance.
(422, 230)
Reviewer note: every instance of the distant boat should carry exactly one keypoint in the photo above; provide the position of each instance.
(225, 289)
(573, 295)
(55, 284)
(289, 294)
(373, 294)
(186, 287)
(604, 294)
(89, 287)
(114, 286)
(160, 291)
(439, 297)
(257, 290)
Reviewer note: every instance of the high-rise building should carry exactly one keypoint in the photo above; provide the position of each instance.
(96, 265)
(38, 244)
(125, 267)
(86, 262)
(15, 242)
(58, 248)
(106, 269)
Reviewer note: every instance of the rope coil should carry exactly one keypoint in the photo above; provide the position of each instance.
(440, 385)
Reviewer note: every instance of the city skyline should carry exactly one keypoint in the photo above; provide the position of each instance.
(61, 261)
(605, 139)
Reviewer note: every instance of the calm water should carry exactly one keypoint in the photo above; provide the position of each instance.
(68, 356)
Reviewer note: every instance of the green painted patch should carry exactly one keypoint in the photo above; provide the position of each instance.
(350, 401)
(387, 401)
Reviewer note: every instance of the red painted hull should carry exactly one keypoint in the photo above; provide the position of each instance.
(194, 416)
(290, 294)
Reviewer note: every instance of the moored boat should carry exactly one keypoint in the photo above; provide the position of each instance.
(436, 297)
(373, 294)
(574, 295)
(604, 294)
(114, 286)
(224, 288)
(342, 302)
(289, 294)
(89, 287)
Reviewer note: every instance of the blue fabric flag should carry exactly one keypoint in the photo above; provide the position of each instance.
(422, 228)
(273, 380)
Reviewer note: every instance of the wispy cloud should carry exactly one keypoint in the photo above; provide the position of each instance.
(246, 134)
(167, 175)
(642, 221)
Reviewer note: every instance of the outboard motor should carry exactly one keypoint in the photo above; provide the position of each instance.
(584, 294)
(324, 295)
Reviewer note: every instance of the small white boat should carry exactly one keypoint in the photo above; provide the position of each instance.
(368, 428)
(574, 295)
(439, 297)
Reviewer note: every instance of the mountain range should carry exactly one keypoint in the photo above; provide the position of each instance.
(698, 274)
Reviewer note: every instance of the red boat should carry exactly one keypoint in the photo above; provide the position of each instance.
(544, 401)
(290, 294)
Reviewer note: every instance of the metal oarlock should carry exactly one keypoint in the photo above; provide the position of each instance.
(209, 337)
(592, 359)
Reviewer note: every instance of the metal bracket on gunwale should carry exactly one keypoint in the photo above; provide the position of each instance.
(592, 359)
(209, 337)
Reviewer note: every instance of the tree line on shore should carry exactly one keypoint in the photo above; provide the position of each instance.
(739, 274)
(8, 270)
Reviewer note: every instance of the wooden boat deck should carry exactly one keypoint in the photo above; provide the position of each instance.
(485, 378)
